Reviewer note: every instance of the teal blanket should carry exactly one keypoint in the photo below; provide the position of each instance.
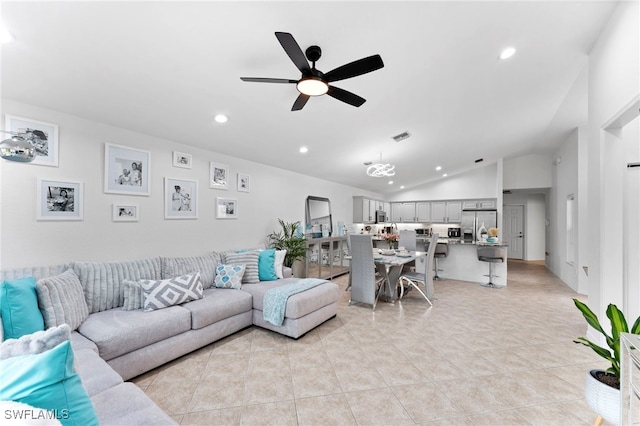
(275, 299)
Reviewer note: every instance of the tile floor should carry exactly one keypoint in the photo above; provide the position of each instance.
(479, 356)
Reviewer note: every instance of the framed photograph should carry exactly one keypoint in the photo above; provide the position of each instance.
(126, 170)
(180, 159)
(180, 198)
(244, 183)
(219, 176)
(226, 208)
(59, 200)
(125, 213)
(47, 141)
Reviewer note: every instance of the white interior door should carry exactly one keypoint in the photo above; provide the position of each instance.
(514, 230)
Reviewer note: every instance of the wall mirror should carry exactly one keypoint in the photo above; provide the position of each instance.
(318, 212)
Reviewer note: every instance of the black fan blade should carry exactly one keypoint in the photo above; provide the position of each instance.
(345, 96)
(292, 48)
(300, 102)
(267, 80)
(355, 68)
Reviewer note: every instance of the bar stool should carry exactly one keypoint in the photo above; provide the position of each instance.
(492, 255)
(442, 251)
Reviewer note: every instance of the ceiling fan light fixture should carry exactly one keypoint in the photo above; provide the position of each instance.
(312, 86)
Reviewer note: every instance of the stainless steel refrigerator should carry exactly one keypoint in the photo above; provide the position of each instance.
(472, 221)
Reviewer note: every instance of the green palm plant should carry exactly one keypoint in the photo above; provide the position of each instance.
(618, 325)
(287, 239)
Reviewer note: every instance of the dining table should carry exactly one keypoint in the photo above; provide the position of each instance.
(390, 266)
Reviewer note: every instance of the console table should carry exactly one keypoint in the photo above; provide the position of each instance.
(325, 257)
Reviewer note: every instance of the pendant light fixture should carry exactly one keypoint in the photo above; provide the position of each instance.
(381, 169)
(20, 147)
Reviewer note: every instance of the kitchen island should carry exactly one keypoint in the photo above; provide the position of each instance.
(462, 263)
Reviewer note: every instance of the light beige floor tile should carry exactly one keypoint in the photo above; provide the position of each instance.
(377, 407)
(471, 395)
(315, 382)
(224, 417)
(308, 358)
(549, 415)
(269, 361)
(172, 396)
(268, 386)
(236, 364)
(425, 403)
(183, 369)
(508, 417)
(354, 377)
(208, 396)
(324, 410)
(277, 414)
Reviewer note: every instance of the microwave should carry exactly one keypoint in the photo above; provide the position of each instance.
(381, 217)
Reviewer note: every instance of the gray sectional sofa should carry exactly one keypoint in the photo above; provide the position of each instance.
(113, 345)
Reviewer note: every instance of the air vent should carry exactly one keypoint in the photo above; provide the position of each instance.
(402, 136)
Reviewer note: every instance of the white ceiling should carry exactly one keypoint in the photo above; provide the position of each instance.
(166, 68)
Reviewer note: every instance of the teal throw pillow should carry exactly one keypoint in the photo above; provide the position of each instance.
(19, 308)
(47, 381)
(266, 269)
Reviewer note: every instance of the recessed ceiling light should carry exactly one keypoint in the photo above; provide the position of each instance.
(444, 175)
(390, 182)
(303, 149)
(221, 118)
(438, 168)
(507, 53)
(6, 36)
(401, 186)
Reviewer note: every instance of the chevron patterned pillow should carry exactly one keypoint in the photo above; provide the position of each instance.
(160, 294)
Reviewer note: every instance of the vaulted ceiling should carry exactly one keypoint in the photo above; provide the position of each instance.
(167, 68)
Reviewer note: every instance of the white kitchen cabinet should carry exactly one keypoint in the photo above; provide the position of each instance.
(446, 211)
(364, 209)
(479, 204)
(423, 211)
(403, 212)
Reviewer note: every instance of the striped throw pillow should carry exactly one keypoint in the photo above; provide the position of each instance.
(250, 260)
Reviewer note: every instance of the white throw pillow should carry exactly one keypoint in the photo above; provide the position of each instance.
(278, 264)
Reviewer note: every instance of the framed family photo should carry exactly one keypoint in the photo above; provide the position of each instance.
(126, 170)
(59, 200)
(180, 198)
(125, 213)
(46, 142)
(180, 159)
(244, 183)
(218, 176)
(226, 208)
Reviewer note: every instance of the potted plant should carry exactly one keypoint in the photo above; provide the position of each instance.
(602, 388)
(296, 247)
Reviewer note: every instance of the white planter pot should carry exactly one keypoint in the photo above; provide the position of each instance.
(603, 399)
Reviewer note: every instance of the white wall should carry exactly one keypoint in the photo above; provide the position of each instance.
(565, 183)
(614, 66)
(477, 183)
(275, 193)
(527, 171)
(631, 138)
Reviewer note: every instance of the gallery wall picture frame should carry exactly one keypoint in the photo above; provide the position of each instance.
(59, 200)
(181, 159)
(180, 198)
(218, 175)
(226, 208)
(126, 170)
(47, 149)
(244, 182)
(126, 212)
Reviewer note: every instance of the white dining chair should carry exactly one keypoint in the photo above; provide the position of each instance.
(408, 240)
(422, 274)
(365, 284)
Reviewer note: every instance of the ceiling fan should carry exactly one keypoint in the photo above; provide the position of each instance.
(313, 81)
